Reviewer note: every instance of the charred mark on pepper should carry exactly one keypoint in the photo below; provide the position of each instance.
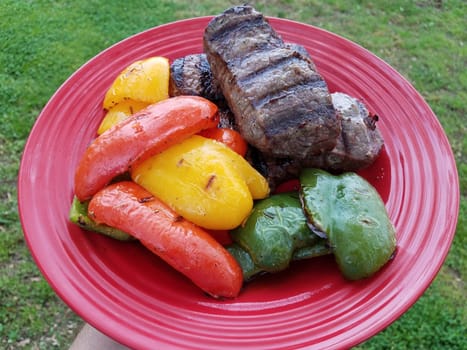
(138, 127)
(180, 162)
(81, 221)
(145, 199)
(178, 218)
(316, 230)
(210, 182)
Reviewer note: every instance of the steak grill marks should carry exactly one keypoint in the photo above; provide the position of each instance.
(257, 71)
(242, 35)
(280, 102)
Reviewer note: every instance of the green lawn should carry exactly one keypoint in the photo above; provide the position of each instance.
(42, 42)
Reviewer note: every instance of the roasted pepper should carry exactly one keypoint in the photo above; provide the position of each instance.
(275, 233)
(204, 181)
(351, 214)
(147, 132)
(79, 216)
(231, 138)
(120, 112)
(183, 245)
(248, 266)
(145, 80)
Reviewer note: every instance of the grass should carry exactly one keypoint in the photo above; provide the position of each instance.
(42, 42)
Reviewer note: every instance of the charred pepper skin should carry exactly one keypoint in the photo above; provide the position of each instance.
(351, 213)
(275, 230)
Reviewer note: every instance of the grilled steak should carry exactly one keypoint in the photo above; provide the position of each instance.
(281, 104)
(359, 143)
(358, 146)
(191, 75)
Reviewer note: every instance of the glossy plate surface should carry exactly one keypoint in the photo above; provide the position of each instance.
(132, 296)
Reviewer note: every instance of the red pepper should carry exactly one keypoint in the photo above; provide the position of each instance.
(288, 186)
(144, 134)
(185, 246)
(229, 137)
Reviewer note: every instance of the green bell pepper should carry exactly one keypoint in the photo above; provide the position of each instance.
(248, 266)
(353, 216)
(275, 233)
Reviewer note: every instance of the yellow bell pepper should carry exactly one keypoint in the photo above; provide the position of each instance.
(120, 112)
(144, 80)
(204, 181)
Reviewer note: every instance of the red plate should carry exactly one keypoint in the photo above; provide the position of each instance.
(132, 296)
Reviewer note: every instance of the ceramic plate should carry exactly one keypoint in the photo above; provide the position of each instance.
(131, 295)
